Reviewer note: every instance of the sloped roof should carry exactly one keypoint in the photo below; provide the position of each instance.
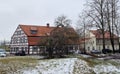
(41, 30)
(33, 40)
(98, 34)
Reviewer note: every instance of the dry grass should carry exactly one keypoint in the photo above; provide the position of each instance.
(92, 61)
(11, 65)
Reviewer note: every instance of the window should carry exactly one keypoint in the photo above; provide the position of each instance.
(26, 49)
(24, 39)
(93, 48)
(93, 42)
(99, 47)
(34, 49)
(18, 32)
(33, 31)
(22, 32)
(22, 48)
(88, 48)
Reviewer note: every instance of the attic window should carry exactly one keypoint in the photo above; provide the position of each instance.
(33, 30)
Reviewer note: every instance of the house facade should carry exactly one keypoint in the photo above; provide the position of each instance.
(27, 37)
(94, 41)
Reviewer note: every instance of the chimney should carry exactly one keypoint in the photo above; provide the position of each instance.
(48, 25)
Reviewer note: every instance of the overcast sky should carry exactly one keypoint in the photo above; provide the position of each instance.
(35, 12)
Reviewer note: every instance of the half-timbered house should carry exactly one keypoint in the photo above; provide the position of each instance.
(27, 37)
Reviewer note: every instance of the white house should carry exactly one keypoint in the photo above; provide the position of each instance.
(93, 40)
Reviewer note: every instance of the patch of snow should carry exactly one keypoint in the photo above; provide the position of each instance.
(98, 69)
(59, 66)
(70, 66)
(81, 67)
(34, 71)
(85, 56)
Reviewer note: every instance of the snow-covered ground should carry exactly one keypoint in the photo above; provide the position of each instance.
(111, 66)
(60, 66)
(54, 66)
(71, 66)
(106, 69)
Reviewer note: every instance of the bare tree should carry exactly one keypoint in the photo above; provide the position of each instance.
(104, 15)
(117, 30)
(63, 37)
(96, 12)
(62, 20)
(63, 33)
(116, 18)
(4, 45)
(58, 39)
(83, 24)
(111, 16)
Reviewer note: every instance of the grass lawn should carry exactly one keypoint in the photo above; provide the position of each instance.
(13, 64)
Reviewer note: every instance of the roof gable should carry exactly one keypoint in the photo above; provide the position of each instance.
(98, 34)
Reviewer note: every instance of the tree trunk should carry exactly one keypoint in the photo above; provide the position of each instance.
(112, 43)
(119, 47)
(103, 41)
(50, 51)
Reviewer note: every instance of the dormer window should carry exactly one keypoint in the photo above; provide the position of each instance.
(33, 30)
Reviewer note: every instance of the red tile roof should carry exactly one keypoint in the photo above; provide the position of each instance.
(35, 40)
(99, 35)
(41, 30)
